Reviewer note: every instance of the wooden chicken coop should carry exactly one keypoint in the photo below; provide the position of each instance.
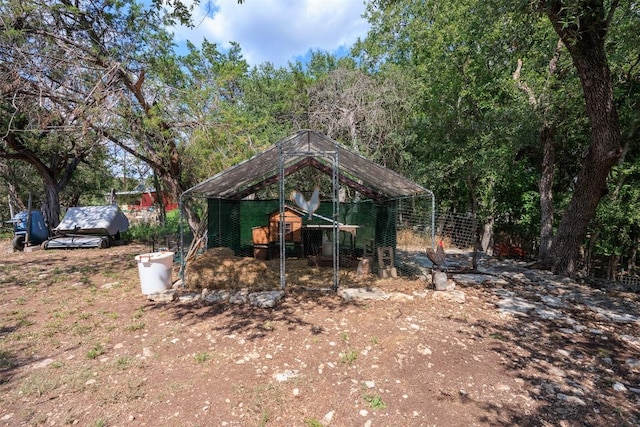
(266, 238)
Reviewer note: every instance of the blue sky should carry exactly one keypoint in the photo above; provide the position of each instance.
(278, 31)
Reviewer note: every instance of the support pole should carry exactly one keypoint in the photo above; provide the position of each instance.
(336, 220)
(28, 234)
(281, 225)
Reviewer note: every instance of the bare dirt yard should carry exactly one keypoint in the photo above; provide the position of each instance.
(80, 345)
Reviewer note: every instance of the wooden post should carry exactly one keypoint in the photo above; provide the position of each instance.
(27, 235)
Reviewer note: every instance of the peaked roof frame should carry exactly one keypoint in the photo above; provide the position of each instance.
(262, 170)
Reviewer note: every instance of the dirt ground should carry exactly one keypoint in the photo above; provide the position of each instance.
(80, 345)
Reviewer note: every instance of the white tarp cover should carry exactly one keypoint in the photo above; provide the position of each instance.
(102, 220)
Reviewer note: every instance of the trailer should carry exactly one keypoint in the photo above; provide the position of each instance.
(81, 227)
(88, 227)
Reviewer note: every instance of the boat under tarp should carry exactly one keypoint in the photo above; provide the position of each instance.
(88, 227)
(102, 220)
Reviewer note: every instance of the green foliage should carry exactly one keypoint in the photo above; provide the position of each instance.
(312, 422)
(202, 357)
(617, 221)
(349, 357)
(375, 401)
(7, 360)
(95, 351)
(149, 232)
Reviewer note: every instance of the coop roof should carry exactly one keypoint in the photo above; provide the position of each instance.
(306, 148)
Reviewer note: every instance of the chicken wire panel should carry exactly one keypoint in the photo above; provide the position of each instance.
(414, 233)
(401, 228)
(456, 230)
(224, 224)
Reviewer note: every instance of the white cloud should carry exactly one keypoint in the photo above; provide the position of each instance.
(278, 31)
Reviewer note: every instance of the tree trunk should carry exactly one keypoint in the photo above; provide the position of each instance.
(51, 204)
(545, 187)
(174, 189)
(159, 201)
(631, 263)
(487, 240)
(586, 46)
(547, 141)
(612, 266)
(588, 255)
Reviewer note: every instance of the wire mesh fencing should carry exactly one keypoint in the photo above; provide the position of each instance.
(420, 228)
(392, 235)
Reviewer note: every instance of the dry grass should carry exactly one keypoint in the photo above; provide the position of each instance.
(409, 240)
(218, 268)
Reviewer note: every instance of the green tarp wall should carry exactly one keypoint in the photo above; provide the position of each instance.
(231, 222)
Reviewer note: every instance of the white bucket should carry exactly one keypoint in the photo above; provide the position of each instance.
(155, 271)
(327, 248)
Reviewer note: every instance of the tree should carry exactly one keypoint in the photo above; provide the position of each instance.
(53, 156)
(583, 26)
(39, 120)
(419, 34)
(367, 112)
(105, 66)
(463, 141)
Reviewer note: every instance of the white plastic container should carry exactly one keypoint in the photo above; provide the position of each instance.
(155, 271)
(327, 249)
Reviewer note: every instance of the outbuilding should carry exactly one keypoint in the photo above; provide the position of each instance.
(361, 207)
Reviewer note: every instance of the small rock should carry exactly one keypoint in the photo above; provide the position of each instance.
(422, 349)
(355, 294)
(399, 296)
(42, 364)
(619, 387)
(109, 285)
(266, 299)
(239, 297)
(286, 375)
(453, 296)
(216, 296)
(439, 280)
(555, 371)
(296, 392)
(166, 296)
(364, 412)
(370, 384)
(451, 285)
(633, 364)
(326, 420)
(570, 399)
(190, 297)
